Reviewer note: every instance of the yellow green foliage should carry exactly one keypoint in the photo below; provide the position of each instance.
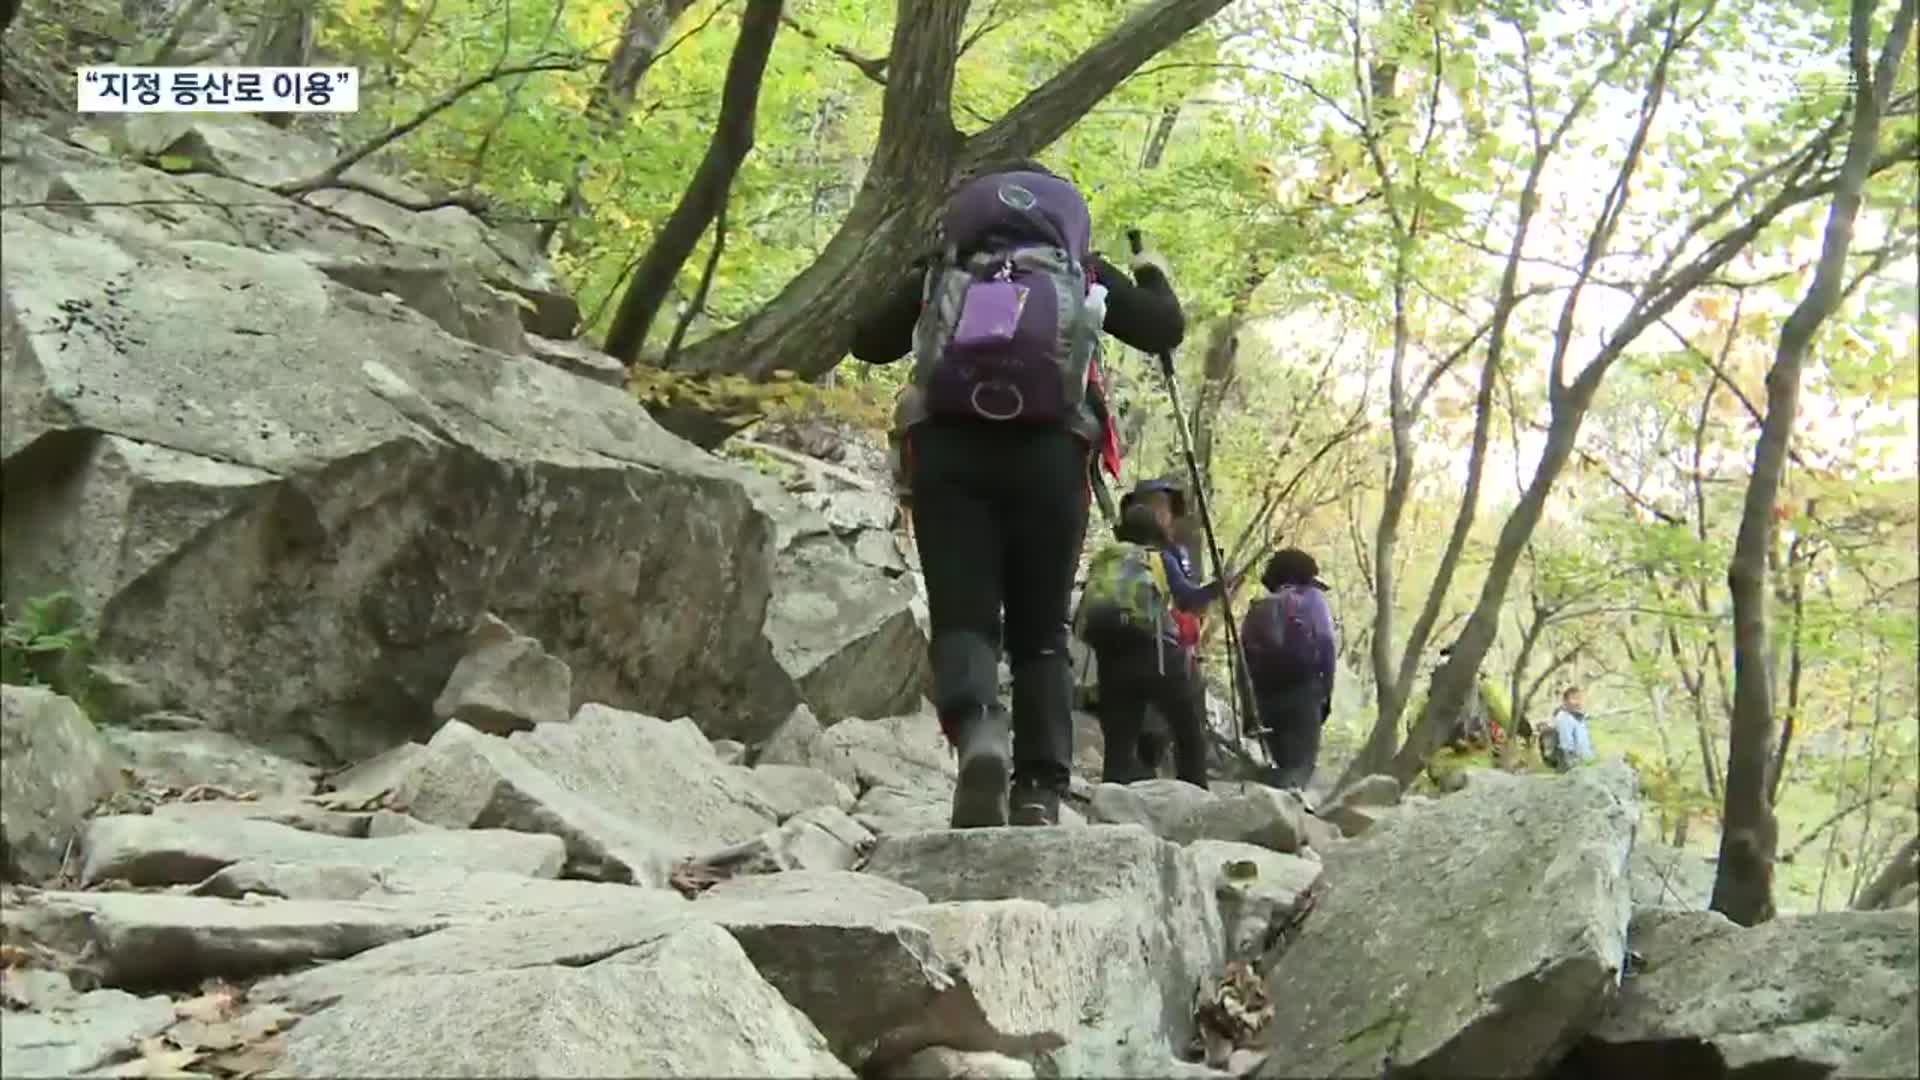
(866, 405)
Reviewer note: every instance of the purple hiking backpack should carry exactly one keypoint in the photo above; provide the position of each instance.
(1288, 634)
(1005, 329)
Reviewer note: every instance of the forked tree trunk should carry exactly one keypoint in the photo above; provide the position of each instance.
(1904, 870)
(918, 157)
(641, 38)
(1743, 885)
(706, 196)
(1802, 180)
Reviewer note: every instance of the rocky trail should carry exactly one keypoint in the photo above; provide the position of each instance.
(451, 718)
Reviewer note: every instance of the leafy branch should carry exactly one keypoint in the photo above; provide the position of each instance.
(330, 177)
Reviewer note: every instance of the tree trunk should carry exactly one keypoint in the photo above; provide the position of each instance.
(1393, 683)
(1803, 180)
(640, 39)
(1872, 750)
(1904, 870)
(1220, 368)
(918, 156)
(1157, 140)
(1743, 885)
(8, 9)
(1516, 679)
(1799, 555)
(283, 38)
(1389, 691)
(708, 192)
(1457, 677)
(1846, 753)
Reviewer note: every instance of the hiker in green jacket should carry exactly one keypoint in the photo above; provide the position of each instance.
(1127, 617)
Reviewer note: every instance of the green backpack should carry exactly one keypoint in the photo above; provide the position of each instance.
(1126, 594)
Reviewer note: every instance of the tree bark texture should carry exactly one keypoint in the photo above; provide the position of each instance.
(1803, 179)
(1743, 885)
(708, 192)
(917, 159)
(1904, 870)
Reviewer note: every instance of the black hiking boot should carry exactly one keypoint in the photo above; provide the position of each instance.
(1034, 803)
(980, 790)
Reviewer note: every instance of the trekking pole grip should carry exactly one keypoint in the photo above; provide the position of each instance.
(1134, 242)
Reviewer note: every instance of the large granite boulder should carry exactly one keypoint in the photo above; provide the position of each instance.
(1091, 941)
(1475, 938)
(54, 766)
(629, 795)
(284, 491)
(1799, 996)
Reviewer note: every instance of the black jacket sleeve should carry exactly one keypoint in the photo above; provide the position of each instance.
(1144, 314)
(886, 334)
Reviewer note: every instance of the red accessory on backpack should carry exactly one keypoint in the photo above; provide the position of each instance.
(1109, 437)
(1188, 626)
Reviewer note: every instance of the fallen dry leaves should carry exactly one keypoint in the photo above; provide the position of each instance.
(216, 1034)
(15, 956)
(156, 1058)
(13, 988)
(694, 877)
(384, 799)
(1233, 1015)
(141, 796)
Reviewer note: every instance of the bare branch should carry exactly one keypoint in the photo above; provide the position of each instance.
(1615, 204)
(512, 97)
(333, 172)
(989, 22)
(699, 301)
(873, 67)
(707, 192)
(477, 205)
(181, 24)
(1049, 110)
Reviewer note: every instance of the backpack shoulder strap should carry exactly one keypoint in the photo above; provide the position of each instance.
(1157, 566)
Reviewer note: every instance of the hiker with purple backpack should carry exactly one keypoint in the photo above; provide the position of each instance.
(1290, 647)
(1001, 442)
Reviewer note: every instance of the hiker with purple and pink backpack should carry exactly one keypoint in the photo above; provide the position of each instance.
(1289, 640)
(1003, 434)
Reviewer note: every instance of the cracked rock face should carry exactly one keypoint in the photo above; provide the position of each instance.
(286, 458)
(1798, 996)
(1474, 938)
(54, 766)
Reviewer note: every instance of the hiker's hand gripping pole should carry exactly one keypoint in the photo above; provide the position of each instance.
(1236, 658)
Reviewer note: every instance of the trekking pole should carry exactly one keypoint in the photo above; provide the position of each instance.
(1236, 658)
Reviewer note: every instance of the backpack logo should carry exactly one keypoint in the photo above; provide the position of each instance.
(1018, 197)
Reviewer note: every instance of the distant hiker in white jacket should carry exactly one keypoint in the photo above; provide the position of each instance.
(1567, 742)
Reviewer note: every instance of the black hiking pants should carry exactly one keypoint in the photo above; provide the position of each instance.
(999, 512)
(1153, 741)
(1138, 674)
(1293, 713)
